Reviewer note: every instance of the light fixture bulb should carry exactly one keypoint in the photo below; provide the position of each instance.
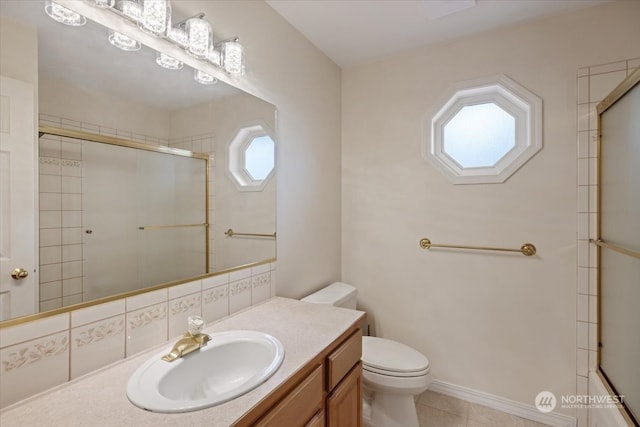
(123, 42)
(179, 36)
(104, 3)
(233, 57)
(63, 15)
(204, 78)
(156, 17)
(131, 9)
(168, 62)
(199, 34)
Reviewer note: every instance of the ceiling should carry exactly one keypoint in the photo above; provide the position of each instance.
(354, 32)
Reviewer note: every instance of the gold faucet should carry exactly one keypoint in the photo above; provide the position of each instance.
(191, 341)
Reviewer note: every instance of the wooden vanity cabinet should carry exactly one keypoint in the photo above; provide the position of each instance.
(327, 393)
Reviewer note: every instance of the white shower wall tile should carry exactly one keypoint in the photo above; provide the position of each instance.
(185, 289)
(261, 287)
(240, 294)
(146, 327)
(215, 281)
(146, 299)
(215, 303)
(97, 312)
(179, 311)
(600, 85)
(33, 366)
(97, 344)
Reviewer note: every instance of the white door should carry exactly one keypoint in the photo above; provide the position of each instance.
(18, 293)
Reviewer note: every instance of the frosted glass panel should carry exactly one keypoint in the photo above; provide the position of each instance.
(620, 319)
(479, 135)
(124, 189)
(620, 226)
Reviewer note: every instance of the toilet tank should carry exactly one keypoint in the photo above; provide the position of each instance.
(337, 294)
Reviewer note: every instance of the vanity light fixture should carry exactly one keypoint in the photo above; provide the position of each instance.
(133, 10)
(156, 17)
(193, 34)
(204, 78)
(104, 3)
(63, 15)
(233, 57)
(199, 35)
(168, 62)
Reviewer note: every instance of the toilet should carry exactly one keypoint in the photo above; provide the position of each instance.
(393, 373)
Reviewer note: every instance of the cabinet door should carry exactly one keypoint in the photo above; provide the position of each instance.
(299, 407)
(317, 420)
(344, 404)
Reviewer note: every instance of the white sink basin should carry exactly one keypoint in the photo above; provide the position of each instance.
(231, 364)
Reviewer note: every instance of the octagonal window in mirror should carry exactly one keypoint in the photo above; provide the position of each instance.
(259, 157)
(485, 131)
(251, 157)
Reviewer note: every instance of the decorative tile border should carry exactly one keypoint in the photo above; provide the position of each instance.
(98, 333)
(35, 352)
(181, 305)
(146, 317)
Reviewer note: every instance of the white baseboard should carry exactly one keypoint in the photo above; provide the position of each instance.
(528, 412)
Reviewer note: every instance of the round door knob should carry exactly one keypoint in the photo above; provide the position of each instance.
(19, 273)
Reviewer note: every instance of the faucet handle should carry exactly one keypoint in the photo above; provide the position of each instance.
(195, 325)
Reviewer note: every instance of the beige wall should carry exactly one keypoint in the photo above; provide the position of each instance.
(19, 58)
(501, 324)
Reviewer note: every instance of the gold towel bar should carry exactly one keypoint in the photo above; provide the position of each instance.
(160, 227)
(232, 233)
(615, 248)
(526, 249)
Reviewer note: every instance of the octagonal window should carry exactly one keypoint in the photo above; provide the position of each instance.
(479, 135)
(259, 157)
(485, 131)
(251, 157)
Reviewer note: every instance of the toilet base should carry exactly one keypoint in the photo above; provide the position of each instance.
(389, 410)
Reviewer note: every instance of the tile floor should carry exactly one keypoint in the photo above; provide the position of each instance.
(438, 410)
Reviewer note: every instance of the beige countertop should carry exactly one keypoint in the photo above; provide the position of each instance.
(99, 399)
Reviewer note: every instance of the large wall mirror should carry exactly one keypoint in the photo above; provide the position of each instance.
(131, 167)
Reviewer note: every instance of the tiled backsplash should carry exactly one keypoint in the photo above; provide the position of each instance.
(594, 84)
(37, 355)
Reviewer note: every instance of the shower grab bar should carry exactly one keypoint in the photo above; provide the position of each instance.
(527, 249)
(615, 248)
(231, 233)
(162, 227)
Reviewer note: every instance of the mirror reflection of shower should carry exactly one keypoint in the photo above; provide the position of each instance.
(117, 219)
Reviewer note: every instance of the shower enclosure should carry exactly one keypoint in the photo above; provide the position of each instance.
(134, 215)
(619, 244)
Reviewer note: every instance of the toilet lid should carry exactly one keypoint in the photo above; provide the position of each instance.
(392, 356)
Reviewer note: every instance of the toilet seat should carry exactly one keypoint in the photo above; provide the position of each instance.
(391, 358)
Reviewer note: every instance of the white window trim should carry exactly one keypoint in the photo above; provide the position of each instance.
(236, 148)
(523, 105)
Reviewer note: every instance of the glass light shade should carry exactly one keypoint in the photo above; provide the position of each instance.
(199, 34)
(179, 36)
(123, 42)
(204, 78)
(156, 17)
(233, 58)
(104, 3)
(168, 62)
(131, 9)
(215, 56)
(63, 15)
